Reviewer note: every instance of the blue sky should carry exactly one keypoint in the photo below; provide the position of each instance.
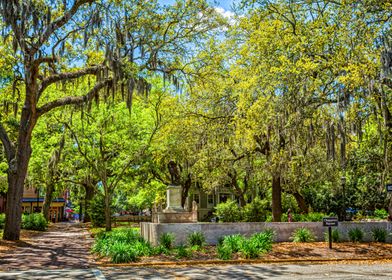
(225, 4)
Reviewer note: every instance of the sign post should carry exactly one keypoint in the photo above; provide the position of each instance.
(330, 222)
(389, 187)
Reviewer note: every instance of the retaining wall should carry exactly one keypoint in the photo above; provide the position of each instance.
(283, 231)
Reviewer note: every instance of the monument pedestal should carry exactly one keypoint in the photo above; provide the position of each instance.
(173, 199)
(174, 212)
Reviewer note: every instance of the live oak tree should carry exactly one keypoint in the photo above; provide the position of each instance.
(113, 44)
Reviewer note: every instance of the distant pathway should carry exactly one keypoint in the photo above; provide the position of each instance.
(63, 246)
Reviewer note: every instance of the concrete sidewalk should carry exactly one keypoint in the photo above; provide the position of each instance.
(63, 246)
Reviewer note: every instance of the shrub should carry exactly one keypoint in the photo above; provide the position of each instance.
(249, 249)
(234, 242)
(96, 211)
(123, 253)
(196, 239)
(256, 211)
(2, 220)
(228, 211)
(311, 217)
(263, 241)
(335, 235)
(303, 235)
(379, 234)
(35, 221)
(381, 214)
(121, 245)
(183, 252)
(224, 252)
(355, 234)
(166, 240)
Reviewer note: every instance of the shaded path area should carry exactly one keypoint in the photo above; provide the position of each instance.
(63, 246)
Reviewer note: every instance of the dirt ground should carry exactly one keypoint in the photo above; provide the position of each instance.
(289, 251)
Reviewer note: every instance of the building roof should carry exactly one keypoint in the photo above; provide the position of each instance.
(41, 199)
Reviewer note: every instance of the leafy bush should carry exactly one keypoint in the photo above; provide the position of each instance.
(256, 211)
(224, 252)
(355, 234)
(123, 253)
(379, 234)
(2, 220)
(96, 211)
(234, 242)
(35, 221)
(228, 211)
(183, 252)
(166, 240)
(335, 235)
(310, 217)
(263, 240)
(302, 235)
(121, 245)
(196, 239)
(381, 214)
(249, 249)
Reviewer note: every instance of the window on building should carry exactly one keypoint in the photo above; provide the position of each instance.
(210, 200)
(223, 197)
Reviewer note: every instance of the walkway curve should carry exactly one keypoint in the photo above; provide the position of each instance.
(64, 245)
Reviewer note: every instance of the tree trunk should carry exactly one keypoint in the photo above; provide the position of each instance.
(88, 197)
(108, 216)
(301, 202)
(48, 200)
(185, 190)
(16, 178)
(276, 198)
(390, 207)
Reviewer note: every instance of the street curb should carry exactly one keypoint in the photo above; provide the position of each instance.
(243, 261)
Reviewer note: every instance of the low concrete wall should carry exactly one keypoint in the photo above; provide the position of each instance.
(283, 231)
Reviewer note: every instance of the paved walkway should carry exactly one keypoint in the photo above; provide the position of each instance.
(63, 246)
(256, 271)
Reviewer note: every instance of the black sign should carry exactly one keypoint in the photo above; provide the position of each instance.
(389, 187)
(330, 222)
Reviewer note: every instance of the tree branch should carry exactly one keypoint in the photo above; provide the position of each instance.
(58, 23)
(73, 100)
(67, 76)
(8, 146)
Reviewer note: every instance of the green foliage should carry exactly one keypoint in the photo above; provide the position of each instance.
(228, 211)
(234, 242)
(310, 217)
(121, 245)
(2, 220)
(335, 235)
(381, 214)
(183, 252)
(263, 240)
(96, 211)
(166, 240)
(249, 249)
(122, 253)
(379, 234)
(256, 211)
(196, 239)
(224, 252)
(302, 235)
(355, 234)
(34, 221)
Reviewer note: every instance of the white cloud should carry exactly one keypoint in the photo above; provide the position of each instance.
(224, 13)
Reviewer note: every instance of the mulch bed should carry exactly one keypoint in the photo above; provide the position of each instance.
(289, 251)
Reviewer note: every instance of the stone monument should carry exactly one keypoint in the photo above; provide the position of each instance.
(174, 212)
